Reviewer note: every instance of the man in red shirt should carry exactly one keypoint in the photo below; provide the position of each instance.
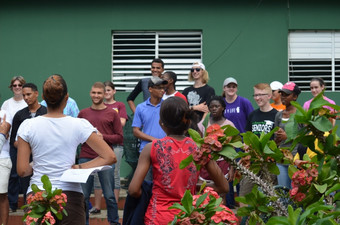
(107, 122)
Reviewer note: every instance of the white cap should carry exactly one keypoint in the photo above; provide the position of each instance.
(276, 85)
(229, 80)
(201, 65)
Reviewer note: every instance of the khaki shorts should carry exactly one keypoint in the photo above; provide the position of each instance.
(5, 171)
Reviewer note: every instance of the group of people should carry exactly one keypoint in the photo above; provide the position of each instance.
(44, 138)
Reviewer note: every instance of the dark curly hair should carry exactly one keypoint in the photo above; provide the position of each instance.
(176, 115)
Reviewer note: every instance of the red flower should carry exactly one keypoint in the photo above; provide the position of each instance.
(293, 191)
(215, 129)
(300, 196)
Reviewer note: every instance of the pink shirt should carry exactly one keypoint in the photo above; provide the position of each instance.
(307, 104)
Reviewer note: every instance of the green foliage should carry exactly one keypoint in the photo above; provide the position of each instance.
(312, 128)
(44, 204)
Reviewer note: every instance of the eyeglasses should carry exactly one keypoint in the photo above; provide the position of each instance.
(259, 95)
(16, 85)
(197, 70)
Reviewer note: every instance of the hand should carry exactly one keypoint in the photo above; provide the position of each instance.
(4, 127)
(201, 107)
(231, 175)
(280, 136)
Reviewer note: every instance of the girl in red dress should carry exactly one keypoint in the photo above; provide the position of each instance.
(164, 155)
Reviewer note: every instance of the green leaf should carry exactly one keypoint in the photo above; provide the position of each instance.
(333, 188)
(291, 170)
(321, 188)
(265, 139)
(65, 212)
(244, 211)
(201, 199)
(178, 206)
(187, 201)
(299, 108)
(291, 128)
(293, 215)
(337, 197)
(185, 162)
(46, 184)
(278, 220)
(322, 123)
(236, 144)
(57, 192)
(35, 188)
(267, 150)
(272, 167)
(195, 136)
(252, 140)
(228, 151)
(230, 130)
(40, 209)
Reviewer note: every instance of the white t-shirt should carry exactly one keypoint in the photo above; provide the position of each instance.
(54, 143)
(12, 107)
(5, 147)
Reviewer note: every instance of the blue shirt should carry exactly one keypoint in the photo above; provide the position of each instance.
(71, 108)
(147, 118)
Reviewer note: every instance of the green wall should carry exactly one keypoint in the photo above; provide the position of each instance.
(246, 39)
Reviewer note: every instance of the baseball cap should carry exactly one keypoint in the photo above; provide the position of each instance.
(201, 65)
(155, 81)
(290, 87)
(276, 85)
(229, 80)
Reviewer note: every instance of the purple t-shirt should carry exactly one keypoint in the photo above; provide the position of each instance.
(238, 111)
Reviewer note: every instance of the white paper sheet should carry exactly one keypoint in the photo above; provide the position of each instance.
(81, 175)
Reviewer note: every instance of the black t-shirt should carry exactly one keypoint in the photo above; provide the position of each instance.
(196, 96)
(259, 121)
(22, 115)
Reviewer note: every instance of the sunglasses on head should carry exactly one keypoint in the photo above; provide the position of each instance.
(17, 85)
(197, 69)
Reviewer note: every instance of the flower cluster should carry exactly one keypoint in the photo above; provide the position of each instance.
(44, 205)
(211, 144)
(301, 182)
(206, 209)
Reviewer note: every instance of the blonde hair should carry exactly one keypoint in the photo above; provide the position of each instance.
(264, 86)
(205, 77)
(18, 78)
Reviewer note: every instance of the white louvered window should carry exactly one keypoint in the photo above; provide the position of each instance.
(133, 51)
(314, 54)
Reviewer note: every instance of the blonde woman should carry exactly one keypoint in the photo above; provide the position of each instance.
(199, 93)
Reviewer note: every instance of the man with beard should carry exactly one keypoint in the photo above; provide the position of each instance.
(107, 122)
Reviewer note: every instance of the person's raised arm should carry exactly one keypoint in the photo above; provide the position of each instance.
(133, 95)
(4, 130)
(144, 162)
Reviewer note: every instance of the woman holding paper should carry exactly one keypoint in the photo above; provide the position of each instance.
(53, 139)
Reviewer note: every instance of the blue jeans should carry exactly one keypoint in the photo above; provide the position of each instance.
(283, 178)
(106, 179)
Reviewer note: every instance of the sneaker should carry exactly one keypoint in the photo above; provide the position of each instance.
(94, 211)
(12, 210)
